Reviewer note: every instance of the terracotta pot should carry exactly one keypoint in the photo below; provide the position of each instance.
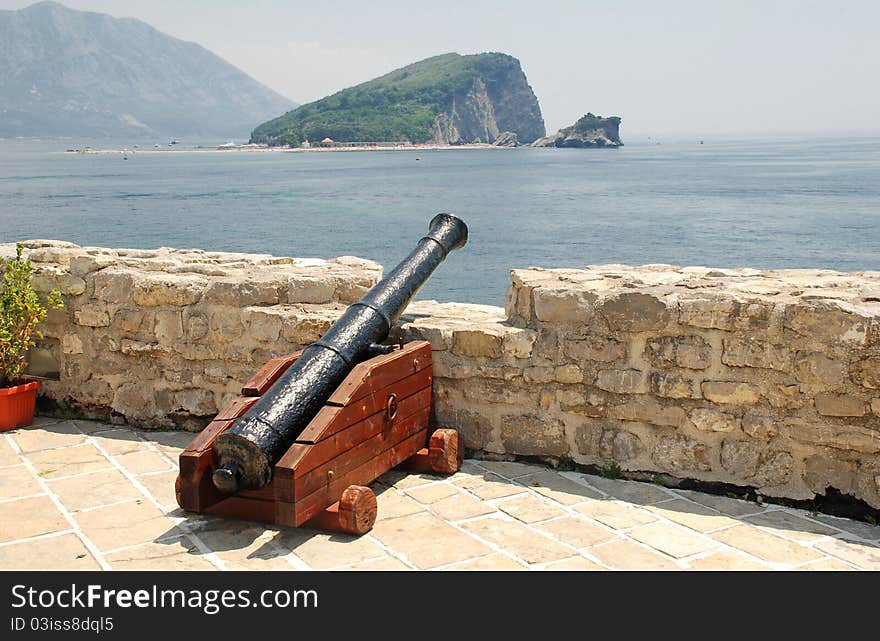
(17, 405)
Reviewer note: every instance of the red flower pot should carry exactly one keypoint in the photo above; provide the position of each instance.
(17, 405)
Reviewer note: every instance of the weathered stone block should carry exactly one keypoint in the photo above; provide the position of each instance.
(620, 445)
(306, 289)
(635, 312)
(225, 326)
(306, 329)
(845, 437)
(195, 401)
(622, 381)
(196, 327)
(671, 385)
(866, 372)
(245, 290)
(678, 454)
(92, 316)
(594, 348)
(169, 326)
(134, 399)
(822, 472)
(538, 374)
(818, 369)
(723, 313)
(95, 391)
(564, 306)
(645, 409)
(754, 352)
(568, 374)
(84, 264)
(709, 420)
(71, 344)
(46, 279)
(477, 342)
(740, 458)
(825, 321)
(838, 405)
(533, 435)
(730, 392)
(263, 324)
(168, 290)
(784, 396)
(759, 426)
(134, 321)
(875, 406)
(570, 400)
(519, 342)
(691, 352)
(138, 348)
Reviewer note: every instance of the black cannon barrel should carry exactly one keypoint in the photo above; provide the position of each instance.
(245, 454)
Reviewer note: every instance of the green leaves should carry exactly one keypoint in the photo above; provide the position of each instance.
(21, 312)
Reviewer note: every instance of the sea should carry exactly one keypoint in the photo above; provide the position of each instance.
(761, 203)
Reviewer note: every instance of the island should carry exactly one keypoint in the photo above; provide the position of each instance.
(590, 131)
(450, 99)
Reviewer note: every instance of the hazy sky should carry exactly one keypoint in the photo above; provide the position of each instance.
(699, 68)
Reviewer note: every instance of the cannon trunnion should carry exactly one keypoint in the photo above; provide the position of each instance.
(313, 428)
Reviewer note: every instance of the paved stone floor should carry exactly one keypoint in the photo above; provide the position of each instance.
(80, 494)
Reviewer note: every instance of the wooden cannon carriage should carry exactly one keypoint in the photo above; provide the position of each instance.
(375, 420)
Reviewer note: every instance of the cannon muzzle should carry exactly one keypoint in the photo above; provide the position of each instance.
(246, 453)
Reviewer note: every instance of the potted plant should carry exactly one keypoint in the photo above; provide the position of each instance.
(21, 312)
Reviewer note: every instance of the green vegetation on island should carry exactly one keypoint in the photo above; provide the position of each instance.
(435, 99)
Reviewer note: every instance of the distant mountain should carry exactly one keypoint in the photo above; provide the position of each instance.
(76, 73)
(450, 99)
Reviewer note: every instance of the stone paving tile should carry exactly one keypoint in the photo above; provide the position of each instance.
(528, 508)
(8, 456)
(236, 541)
(323, 551)
(574, 563)
(858, 528)
(119, 441)
(692, 515)
(468, 468)
(90, 427)
(490, 486)
(675, 541)
(791, 525)
(144, 462)
(725, 560)
(52, 464)
(17, 481)
(30, 517)
(578, 533)
(63, 552)
(391, 504)
(36, 439)
(729, 506)
(826, 565)
(432, 493)
(385, 563)
(170, 442)
(615, 514)
(260, 562)
(559, 488)
(460, 506)
(407, 480)
(161, 486)
(863, 555)
(629, 491)
(626, 555)
(171, 554)
(427, 541)
(516, 538)
(93, 490)
(764, 545)
(125, 524)
(494, 561)
(508, 469)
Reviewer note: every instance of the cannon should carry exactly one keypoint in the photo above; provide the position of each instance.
(309, 423)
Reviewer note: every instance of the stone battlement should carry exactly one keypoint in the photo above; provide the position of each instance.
(767, 379)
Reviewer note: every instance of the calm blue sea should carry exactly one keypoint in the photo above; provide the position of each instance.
(767, 203)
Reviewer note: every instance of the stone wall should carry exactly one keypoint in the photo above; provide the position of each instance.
(765, 379)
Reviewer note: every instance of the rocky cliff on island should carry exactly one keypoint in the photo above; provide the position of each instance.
(589, 132)
(447, 99)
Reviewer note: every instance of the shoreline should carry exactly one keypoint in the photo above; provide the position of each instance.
(250, 150)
